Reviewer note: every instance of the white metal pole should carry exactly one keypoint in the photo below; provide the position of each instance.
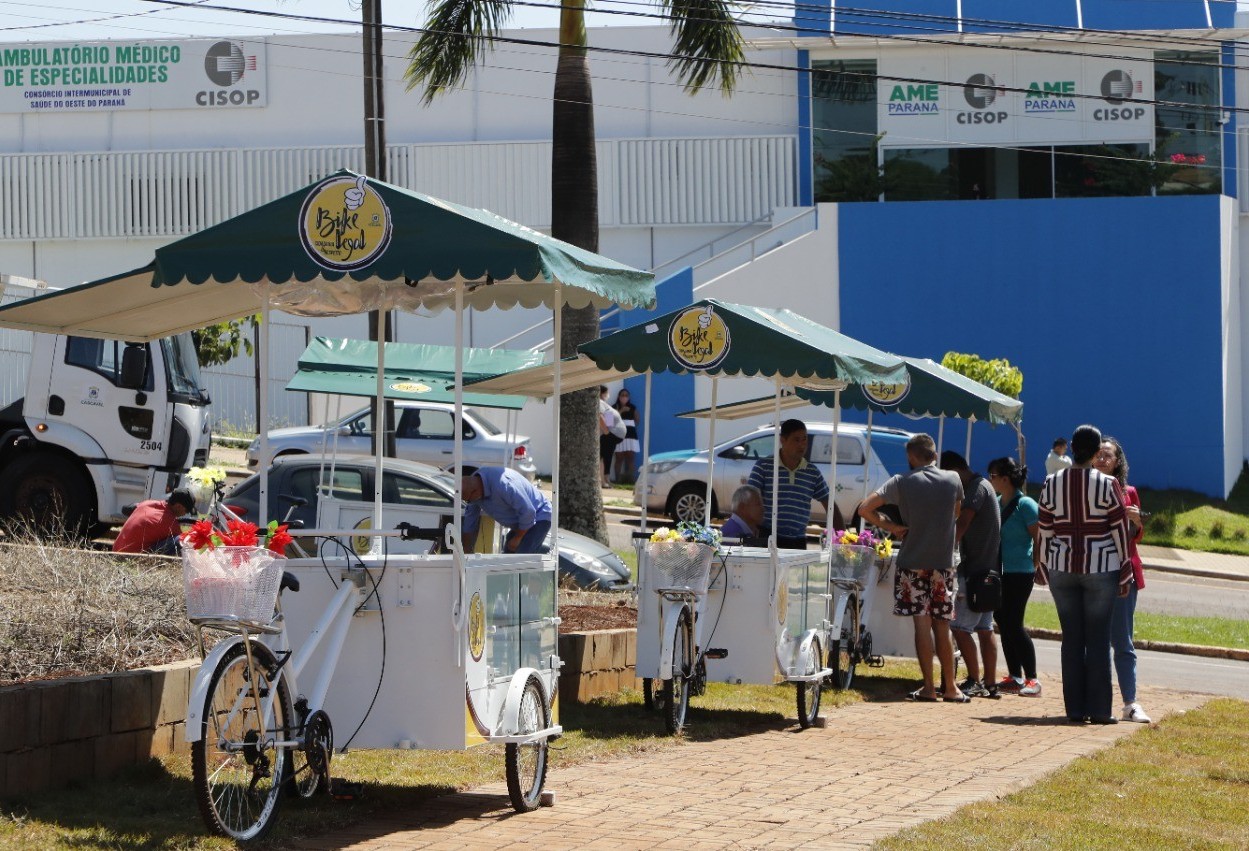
(379, 433)
(457, 421)
(776, 469)
(646, 451)
(262, 410)
(832, 486)
(940, 432)
(711, 451)
(558, 322)
(867, 460)
(970, 422)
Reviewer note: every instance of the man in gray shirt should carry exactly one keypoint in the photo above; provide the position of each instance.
(979, 534)
(924, 585)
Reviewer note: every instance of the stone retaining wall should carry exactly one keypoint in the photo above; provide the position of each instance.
(81, 728)
(56, 732)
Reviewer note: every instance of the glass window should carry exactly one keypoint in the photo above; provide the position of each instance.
(487, 425)
(102, 357)
(759, 447)
(346, 485)
(843, 119)
(921, 174)
(182, 364)
(1098, 171)
(849, 451)
(430, 424)
(1189, 139)
(406, 490)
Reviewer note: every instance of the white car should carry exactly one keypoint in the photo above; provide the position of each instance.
(424, 431)
(676, 482)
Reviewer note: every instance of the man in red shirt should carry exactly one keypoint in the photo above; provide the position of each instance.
(153, 526)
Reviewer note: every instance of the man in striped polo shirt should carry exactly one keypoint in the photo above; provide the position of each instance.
(800, 482)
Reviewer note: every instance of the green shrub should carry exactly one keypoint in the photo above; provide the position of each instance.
(1161, 522)
(1217, 530)
(1189, 531)
(1239, 535)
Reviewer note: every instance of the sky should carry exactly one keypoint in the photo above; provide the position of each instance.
(95, 20)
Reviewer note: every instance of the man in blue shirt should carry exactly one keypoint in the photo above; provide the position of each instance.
(800, 482)
(513, 502)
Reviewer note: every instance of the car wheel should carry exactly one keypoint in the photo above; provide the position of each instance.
(689, 502)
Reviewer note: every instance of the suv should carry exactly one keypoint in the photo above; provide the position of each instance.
(676, 482)
(425, 432)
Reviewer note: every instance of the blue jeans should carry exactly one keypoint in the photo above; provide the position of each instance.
(1121, 641)
(534, 540)
(1085, 603)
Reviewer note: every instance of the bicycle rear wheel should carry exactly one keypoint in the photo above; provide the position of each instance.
(236, 766)
(845, 655)
(676, 691)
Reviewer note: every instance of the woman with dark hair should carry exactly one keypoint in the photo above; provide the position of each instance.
(1083, 554)
(1019, 532)
(1111, 461)
(629, 447)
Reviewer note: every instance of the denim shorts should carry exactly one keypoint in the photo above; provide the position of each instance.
(965, 620)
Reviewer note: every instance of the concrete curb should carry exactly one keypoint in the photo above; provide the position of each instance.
(1233, 653)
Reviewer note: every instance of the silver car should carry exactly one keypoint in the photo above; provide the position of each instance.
(676, 482)
(424, 431)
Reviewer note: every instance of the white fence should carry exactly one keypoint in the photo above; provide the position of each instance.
(232, 385)
(642, 182)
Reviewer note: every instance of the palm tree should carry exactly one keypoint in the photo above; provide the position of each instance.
(709, 48)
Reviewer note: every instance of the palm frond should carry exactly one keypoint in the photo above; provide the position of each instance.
(709, 44)
(455, 33)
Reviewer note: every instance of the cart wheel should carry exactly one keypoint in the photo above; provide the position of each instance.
(809, 691)
(236, 767)
(845, 653)
(648, 693)
(676, 694)
(698, 685)
(526, 763)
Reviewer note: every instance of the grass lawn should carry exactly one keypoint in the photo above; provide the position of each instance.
(1209, 632)
(1193, 521)
(1181, 784)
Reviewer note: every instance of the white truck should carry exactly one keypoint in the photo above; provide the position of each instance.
(89, 425)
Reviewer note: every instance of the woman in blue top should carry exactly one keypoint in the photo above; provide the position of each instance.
(1019, 532)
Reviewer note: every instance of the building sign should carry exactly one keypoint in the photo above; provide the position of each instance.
(980, 96)
(63, 76)
(344, 223)
(698, 338)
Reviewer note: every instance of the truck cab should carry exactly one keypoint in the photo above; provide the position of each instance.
(101, 423)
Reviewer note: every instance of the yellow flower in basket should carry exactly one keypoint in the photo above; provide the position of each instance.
(663, 534)
(884, 548)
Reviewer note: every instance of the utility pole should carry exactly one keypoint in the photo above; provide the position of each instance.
(381, 327)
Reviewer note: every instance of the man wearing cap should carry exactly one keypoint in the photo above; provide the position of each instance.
(153, 526)
(513, 502)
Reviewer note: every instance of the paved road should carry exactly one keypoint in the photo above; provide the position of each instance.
(1169, 670)
(1174, 594)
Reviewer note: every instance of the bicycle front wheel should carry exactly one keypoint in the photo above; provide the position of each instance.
(236, 765)
(809, 691)
(526, 763)
(846, 652)
(676, 691)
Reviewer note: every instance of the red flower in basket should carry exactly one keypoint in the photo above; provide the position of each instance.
(277, 538)
(238, 533)
(201, 535)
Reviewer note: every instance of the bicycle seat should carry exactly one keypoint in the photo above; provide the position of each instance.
(289, 580)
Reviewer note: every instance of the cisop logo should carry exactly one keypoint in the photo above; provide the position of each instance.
(980, 92)
(225, 64)
(1117, 87)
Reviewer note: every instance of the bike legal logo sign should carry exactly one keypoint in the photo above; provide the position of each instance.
(476, 626)
(361, 544)
(410, 387)
(698, 338)
(886, 394)
(344, 224)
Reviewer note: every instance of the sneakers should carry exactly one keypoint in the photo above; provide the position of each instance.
(1009, 685)
(1030, 688)
(1133, 712)
(973, 688)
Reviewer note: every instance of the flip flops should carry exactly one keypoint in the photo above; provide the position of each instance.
(919, 696)
(962, 698)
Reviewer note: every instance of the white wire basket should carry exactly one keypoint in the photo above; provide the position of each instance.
(680, 565)
(231, 583)
(848, 561)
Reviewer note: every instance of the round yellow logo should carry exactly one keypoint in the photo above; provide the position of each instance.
(886, 394)
(410, 387)
(344, 224)
(361, 544)
(476, 627)
(698, 339)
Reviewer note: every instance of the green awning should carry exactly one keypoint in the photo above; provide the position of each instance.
(344, 244)
(929, 390)
(425, 372)
(719, 338)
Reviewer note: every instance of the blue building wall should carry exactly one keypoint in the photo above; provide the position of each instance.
(1111, 307)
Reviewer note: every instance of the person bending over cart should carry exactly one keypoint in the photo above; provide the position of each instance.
(510, 500)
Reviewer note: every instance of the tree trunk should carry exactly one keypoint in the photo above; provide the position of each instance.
(574, 219)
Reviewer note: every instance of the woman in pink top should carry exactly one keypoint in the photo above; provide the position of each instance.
(1111, 461)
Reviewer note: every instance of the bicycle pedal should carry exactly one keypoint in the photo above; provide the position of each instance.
(876, 661)
(345, 790)
(716, 653)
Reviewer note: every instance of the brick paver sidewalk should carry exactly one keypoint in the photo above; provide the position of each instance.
(876, 768)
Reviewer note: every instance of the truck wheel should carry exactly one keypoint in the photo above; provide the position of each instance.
(47, 494)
